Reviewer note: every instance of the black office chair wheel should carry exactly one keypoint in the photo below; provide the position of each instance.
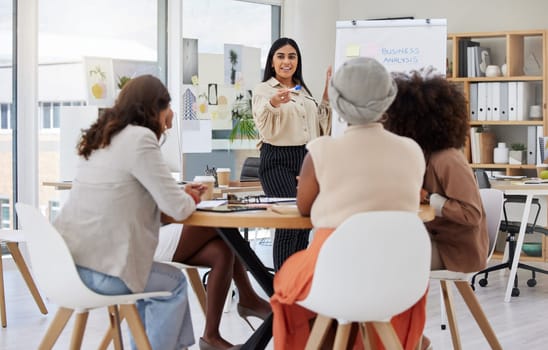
(515, 292)
(483, 282)
(531, 282)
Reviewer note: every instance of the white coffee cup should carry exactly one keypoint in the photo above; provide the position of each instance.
(223, 177)
(209, 181)
(535, 112)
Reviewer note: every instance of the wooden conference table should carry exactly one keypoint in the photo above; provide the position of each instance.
(530, 191)
(227, 224)
(218, 192)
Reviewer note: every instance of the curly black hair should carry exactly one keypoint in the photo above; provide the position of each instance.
(432, 111)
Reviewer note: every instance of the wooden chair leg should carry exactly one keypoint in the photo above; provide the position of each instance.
(388, 336)
(107, 338)
(476, 310)
(197, 287)
(450, 312)
(2, 296)
(341, 337)
(22, 266)
(78, 330)
(318, 333)
(368, 336)
(55, 328)
(136, 326)
(115, 331)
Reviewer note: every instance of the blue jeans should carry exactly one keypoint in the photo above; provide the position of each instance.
(166, 319)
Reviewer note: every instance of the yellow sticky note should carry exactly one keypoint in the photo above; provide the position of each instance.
(353, 50)
(194, 80)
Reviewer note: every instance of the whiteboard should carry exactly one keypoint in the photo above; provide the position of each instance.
(400, 45)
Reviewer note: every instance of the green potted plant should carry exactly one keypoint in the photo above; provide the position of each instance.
(243, 124)
(122, 80)
(516, 155)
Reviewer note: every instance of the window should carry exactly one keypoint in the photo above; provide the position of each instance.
(5, 116)
(70, 31)
(218, 22)
(5, 218)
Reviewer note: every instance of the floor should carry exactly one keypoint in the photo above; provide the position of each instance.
(518, 324)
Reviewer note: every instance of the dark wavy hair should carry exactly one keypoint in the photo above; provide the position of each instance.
(432, 111)
(139, 103)
(270, 72)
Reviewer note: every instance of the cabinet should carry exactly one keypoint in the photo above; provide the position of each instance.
(523, 52)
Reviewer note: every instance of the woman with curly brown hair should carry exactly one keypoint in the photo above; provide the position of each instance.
(432, 111)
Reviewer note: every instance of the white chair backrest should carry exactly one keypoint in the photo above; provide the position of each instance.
(52, 262)
(493, 202)
(373, 266)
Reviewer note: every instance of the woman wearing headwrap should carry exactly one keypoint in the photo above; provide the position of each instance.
(355, 173)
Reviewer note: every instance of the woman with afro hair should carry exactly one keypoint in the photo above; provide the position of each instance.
(432, 111)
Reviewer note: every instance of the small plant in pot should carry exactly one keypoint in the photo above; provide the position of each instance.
(243, 123)
(517, 153)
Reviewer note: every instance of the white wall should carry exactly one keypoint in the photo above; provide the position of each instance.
(462, 16)
(312, 22)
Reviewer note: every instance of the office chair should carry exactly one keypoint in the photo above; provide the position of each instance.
(512, 229)
(250, 169)
(250, 172)
(383, 244)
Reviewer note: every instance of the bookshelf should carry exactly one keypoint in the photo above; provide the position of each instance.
(523, 52)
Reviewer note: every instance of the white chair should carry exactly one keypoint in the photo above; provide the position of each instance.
(195, 282)
(391, 248)
(492, 200)
(12, 238)
(60, 282)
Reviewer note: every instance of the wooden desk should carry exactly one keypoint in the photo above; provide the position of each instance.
(227, 225)
(218, 192)
(530, 191)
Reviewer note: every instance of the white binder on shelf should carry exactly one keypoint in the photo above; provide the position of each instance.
(473, 101)
(503, 110)
(525, 98)
(532, 144)
(493, 101)
(512, 100)
(540, 145)
(482, 101)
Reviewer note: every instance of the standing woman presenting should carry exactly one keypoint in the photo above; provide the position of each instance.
(287, 117)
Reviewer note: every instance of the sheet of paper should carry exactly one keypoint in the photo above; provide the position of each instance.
(211, 203)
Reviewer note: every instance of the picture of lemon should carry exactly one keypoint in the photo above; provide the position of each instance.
(98, 90)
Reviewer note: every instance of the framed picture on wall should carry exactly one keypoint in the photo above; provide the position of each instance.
(212, 94)
(99, 81)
